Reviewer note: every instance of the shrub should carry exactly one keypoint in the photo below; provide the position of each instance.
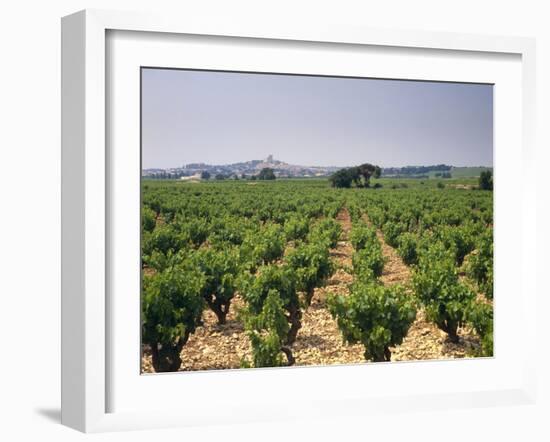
(331, 210)
(267, 332)
(255, 288)
(312, 266)
(172, 305)
(376, 316)
(408, 248)
(480, 316)
(363, 236)
(160, 261)
(436, 284)
(148, 219)
(195, 229)
(227, 230)
(480, 264)
(369, 259)
(487, 286)
(391, 231)
(220, 268)
(377, 216)
(296, 228)
(164, 238)
(460, 240)
(326, 231)
(263, 247)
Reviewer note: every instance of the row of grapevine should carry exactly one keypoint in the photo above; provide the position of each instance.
(372, 314)
(277, 295)
(450, 250)
(204, 244)
(200, 249)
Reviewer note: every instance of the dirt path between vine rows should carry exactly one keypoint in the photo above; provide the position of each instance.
(424, 340)
(319, 341)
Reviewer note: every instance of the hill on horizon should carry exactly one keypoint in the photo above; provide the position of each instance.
(283, 169)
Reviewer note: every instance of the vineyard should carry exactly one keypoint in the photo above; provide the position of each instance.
(243, 274)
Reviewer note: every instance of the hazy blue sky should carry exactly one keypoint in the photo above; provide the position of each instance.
(220, 118)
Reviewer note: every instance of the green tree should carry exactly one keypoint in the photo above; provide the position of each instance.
(368, 171)
(266, 174)
(344, 178)
(360, 176)
(205, 175)
(486, 180)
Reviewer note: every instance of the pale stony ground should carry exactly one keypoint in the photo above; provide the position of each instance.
(319, 341)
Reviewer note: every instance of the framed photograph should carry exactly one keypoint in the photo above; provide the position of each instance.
(250, 213)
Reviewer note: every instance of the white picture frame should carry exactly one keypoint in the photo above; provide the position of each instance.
(87, 358)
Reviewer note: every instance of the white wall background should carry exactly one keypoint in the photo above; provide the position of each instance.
(30, 213)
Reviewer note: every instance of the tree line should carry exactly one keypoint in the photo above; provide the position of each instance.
(265, 174)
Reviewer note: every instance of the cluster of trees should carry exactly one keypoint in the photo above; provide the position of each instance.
(359, 176)
(265, 174)
(416, 170)
(163, 175)
(486, 180)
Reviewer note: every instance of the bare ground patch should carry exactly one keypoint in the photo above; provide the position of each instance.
(213, 346)
(319, 340)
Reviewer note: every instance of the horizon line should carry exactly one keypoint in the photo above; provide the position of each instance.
(320, 166)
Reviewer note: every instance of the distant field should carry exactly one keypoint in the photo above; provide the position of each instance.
(463, 172)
